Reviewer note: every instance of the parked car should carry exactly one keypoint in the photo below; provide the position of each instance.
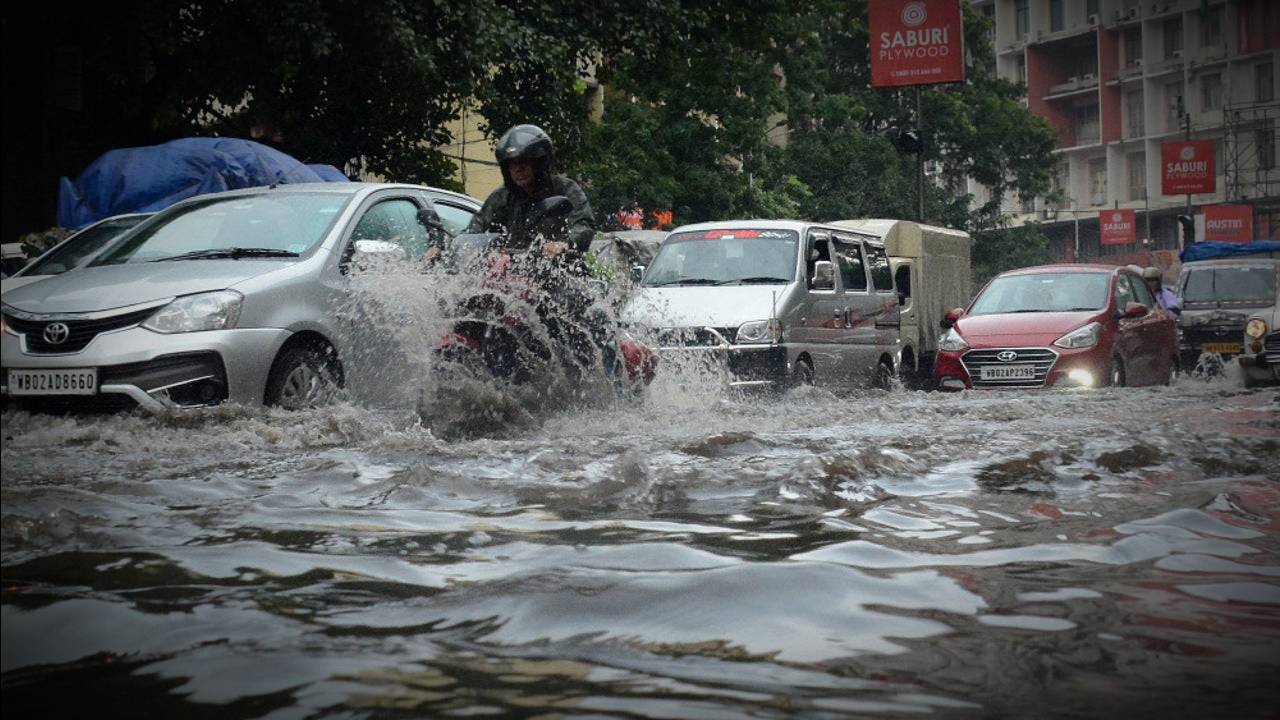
(1072, 325)
(772, 303)
(932, 273)
(75, 251)
(225, 296)
(1229, 310)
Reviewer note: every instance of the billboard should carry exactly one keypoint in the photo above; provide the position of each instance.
(1118, 227)
(916, 42)
(1228, 223)
(1187, 166)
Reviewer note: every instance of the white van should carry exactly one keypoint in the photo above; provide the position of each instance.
(772, 302)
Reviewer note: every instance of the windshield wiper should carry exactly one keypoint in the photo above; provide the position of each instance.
(754, 279)
(687, 281)
(234, 253)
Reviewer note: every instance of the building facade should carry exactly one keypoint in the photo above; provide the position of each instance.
(1116, 79)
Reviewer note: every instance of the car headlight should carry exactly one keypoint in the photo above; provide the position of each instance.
(1084, 337)
(1256, 328)
(207, 311)
(951, 341)
(759, 331)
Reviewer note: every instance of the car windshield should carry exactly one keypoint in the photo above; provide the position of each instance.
(1043, 292)
(275, 224)
(725, 257)
(1239, 284)
(80, 246)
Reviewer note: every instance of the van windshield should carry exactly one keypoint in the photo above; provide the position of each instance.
(725, 257)
(1044, 292)
(1239, 284)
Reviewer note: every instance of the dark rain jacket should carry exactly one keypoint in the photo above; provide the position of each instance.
(508, 209)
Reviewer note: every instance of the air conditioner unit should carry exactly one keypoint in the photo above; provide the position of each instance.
(1088, 77)
(1073, 80)
(1093, 19)
(1049, 213)
(1137, 62)
(1176, 54)
(1133, 13)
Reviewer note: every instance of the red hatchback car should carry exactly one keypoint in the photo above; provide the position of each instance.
(1071, 325)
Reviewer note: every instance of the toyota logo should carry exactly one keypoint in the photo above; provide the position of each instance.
(1006, 356)
(55, 333)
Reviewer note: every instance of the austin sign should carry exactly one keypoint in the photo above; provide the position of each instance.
(1187, 167)
(916, 42)
(1228, 223)
(1118, 227)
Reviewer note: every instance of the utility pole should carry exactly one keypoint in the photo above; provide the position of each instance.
(920, 158)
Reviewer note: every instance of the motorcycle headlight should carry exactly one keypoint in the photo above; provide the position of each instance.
(759, 331)
(1084, 337)
(1256, 328)
(951, 341)
(207, 311)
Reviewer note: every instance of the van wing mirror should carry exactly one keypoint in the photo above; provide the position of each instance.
(637, 272)
(951, 317)
(1135, 310)
(824, 276)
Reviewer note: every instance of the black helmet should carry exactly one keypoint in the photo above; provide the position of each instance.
(527, 142)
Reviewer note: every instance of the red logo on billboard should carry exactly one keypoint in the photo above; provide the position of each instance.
(1118, 227)
(919, 42)
(1187, 167)
(1228, 223)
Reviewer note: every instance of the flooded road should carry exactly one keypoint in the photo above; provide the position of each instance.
(901, 554)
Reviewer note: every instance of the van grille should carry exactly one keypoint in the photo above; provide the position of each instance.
(1041, 359)
(695, 337)
(1272, 349)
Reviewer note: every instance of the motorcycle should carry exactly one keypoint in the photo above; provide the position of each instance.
(534, 333)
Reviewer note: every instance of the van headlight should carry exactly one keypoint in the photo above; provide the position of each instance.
(1256, 328)
(207, 311)
(951, 341)
(1084, 337)
(759, 331)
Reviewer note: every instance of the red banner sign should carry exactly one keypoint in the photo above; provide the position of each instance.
(1187, 167)
(916, 42)
(1119, 227)
(1228, 223)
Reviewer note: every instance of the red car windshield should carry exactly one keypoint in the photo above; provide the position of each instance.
(1044, 292)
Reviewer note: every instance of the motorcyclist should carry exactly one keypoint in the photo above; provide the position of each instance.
(1164, 297)
(526, 157)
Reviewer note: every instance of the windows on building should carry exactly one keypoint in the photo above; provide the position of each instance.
(1057, 16)
(1133, 47)
(1211, 27)
(1137, 175)
(1173, 37)
(1133, 113)
(1086, 124)
(1098, 181)
(1091, 7)
(1266, 140)
(1173, 107)
(1022, 18)
(1210, 92)
(1263, 82)
(1020, 65)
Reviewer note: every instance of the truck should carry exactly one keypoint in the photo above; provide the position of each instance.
(933, 275)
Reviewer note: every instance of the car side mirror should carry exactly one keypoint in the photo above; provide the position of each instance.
(368, 254)
(824, 276)
(951, 317)
(637, 272)
(429, 218)
(1135, 310)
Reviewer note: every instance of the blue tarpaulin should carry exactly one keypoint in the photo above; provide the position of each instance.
(1213, 250)
(146, 179)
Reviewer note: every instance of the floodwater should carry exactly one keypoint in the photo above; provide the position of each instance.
(701, 555)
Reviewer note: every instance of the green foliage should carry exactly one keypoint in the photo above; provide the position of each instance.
(999, 249)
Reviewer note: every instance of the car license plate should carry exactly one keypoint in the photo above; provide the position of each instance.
(69, 381)
(1008, 372)
(1229, 348)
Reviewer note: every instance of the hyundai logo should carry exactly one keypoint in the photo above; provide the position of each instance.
(1006, 356)
(55, 333)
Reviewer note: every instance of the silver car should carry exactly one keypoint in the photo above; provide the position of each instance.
(223, 297)
(75, 251)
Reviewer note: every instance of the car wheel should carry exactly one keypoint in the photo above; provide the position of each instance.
(801, 374)
(1115, 378)
(303, 377)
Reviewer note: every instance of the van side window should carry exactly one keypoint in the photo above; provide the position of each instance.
(819, 249)
(853, 274)
(881, 273)
(1142, 293)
